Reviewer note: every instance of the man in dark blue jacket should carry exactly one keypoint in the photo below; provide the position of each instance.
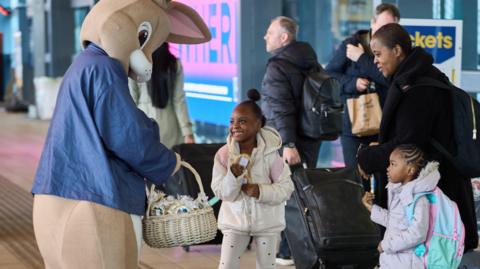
(352, 64)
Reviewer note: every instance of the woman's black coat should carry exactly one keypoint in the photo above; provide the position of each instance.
(415, 115)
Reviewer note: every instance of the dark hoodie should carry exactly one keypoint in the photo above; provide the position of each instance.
(282, 86)
(415, 116)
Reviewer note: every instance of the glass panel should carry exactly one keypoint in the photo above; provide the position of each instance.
(348, 16)
(79, 15)
(449, 9)
(330, 154)
(437, 10)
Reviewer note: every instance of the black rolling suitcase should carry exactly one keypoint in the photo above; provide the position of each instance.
(200, 156)
(327, 224)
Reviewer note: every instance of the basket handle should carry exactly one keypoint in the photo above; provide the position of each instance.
(192, 170)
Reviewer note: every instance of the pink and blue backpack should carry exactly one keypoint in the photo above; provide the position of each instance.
(446, 233)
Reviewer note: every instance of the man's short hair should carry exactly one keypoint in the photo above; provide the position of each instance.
(289, 25)
(389, 8)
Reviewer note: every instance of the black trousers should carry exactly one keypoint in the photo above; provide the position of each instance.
(308, 149)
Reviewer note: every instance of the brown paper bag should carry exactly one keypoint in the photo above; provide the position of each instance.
(365, 114)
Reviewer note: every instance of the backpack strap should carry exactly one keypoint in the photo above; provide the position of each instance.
(301, 71)
(411, 207)
(280, 60)
(420, 249)
(431, 82)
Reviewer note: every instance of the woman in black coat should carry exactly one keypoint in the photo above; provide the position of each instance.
(415, 115)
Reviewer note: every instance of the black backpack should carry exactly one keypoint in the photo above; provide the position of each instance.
(321, 108)
(466, 117)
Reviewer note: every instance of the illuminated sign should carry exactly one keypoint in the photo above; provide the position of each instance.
(4, 11)
(437, 40)
(211, 69)
(442, 39)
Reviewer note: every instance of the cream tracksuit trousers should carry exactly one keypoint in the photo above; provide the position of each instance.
(234, 245)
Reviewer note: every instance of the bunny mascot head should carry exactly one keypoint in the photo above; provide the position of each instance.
(100, 148)
(131, 30)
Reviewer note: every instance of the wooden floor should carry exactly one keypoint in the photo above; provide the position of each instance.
(21, 142)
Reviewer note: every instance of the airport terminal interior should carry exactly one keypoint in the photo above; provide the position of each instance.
(39, 39)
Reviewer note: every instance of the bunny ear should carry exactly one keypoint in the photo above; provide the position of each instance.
(186, 26)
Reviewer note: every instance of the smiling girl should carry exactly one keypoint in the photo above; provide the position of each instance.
(253, 182)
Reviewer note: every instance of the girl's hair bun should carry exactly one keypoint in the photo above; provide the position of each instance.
(253, 95)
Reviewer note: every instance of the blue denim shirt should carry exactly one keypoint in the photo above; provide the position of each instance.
(99, 146)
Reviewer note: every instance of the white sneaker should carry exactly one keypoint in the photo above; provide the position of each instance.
(285, 261)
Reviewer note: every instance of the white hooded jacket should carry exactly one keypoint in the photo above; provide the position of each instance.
(247, 215)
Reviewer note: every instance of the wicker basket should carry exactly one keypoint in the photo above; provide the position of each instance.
(172, 230)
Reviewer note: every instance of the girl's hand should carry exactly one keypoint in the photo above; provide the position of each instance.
(379, 248)
(367, 200)
(237, 169)
(251, 190)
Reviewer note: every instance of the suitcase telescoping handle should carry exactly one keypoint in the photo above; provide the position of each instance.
(151, 194)
(372, 184)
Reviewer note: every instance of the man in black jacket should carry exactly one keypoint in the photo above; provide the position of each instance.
(281, 93)
(282, 89)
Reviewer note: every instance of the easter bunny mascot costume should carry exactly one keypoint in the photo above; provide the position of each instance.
(100, 148)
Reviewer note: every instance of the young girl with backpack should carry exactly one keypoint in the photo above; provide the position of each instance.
(253, 182)
(413, 237)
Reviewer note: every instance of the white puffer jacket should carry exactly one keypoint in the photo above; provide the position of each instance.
(247, 215)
